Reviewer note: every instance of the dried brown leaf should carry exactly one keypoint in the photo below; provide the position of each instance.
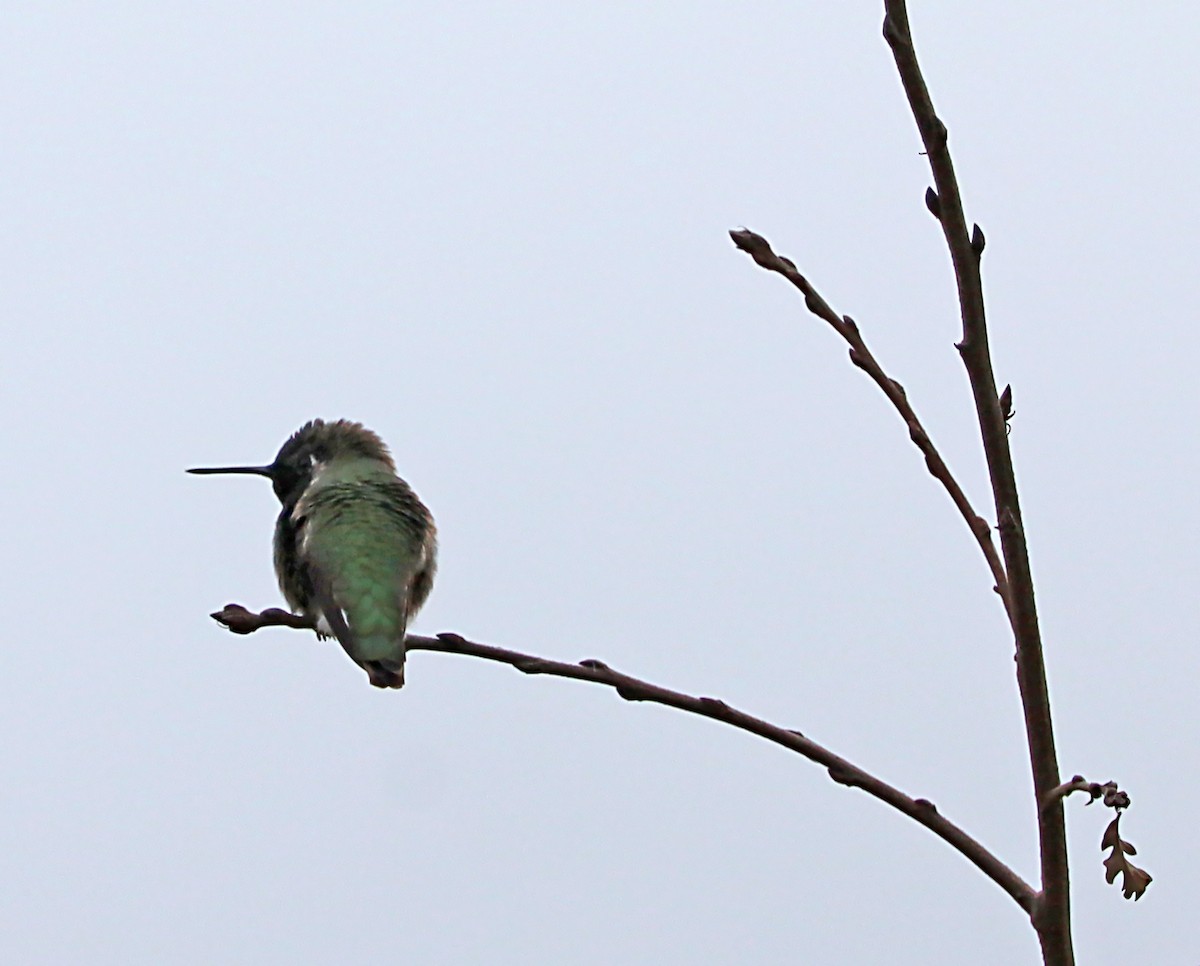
(1134, 881)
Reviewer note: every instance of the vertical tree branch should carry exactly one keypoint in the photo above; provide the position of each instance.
(1052, 915)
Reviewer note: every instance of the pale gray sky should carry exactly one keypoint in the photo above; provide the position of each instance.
(495, 233)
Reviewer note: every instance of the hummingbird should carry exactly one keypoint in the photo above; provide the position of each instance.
(355, 549)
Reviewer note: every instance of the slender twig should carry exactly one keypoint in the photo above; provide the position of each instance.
(236, 618)
(1109, 792)
(1053, 916)
(242, 621)
(760, 250)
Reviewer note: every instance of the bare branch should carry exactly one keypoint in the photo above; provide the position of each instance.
(236, 618)
(760, 250)
(1112, 795)
(242, 621)
(1053, 918)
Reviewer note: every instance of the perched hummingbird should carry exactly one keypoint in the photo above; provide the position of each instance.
(354, 547)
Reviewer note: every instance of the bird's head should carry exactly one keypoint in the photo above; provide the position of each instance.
(306, 450)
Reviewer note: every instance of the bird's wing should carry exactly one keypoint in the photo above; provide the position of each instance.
(317, 577)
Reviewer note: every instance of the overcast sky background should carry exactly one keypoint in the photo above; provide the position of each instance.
(496, 234)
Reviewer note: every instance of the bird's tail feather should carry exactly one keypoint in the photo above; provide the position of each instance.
(386, 674)
(380, 655)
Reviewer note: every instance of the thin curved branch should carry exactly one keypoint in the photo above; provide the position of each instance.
(760, 250)
(1053, 918)
(1109, 792)
(242, 621)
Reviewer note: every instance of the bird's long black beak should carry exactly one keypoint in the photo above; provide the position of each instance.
(266, 471)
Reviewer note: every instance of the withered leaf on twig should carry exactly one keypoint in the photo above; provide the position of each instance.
(1134, 880)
